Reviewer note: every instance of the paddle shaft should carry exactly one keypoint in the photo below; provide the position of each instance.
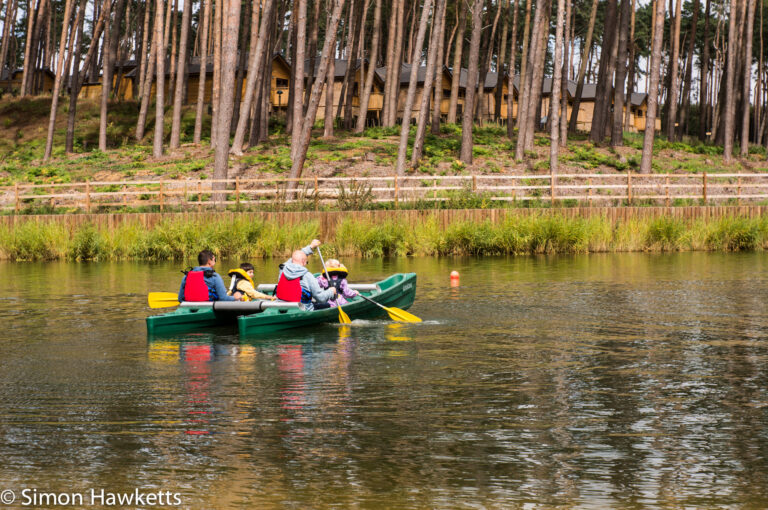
(372, 301)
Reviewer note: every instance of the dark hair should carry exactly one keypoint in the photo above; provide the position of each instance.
(245, 266)
(204, 256)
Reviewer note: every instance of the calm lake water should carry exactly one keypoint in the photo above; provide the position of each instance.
(627, 380)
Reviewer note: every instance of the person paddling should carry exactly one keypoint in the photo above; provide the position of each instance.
(296, 284)
(336, 277)
(202, 283)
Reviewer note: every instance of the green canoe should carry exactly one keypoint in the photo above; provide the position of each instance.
(398, 290)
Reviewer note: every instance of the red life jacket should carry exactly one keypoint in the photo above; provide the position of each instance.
(288, 290)
(195, 288)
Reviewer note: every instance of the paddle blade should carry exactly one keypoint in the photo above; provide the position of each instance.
(343, 317)
(163, 299)
(397, 314)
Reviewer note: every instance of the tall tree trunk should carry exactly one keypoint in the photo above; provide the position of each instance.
(472, 77)
(397, 68)
(351, 61)
(498, 95)
(390, 60)
(256, 65)
(704, 73)
(564, 87)
(653, 88)
(554, 100)
(298, 84)
(141, 58)
(412, 85)
(453, 104)
(157, 147)
(181, 74)
(511, 77)
(686, 98)
(10, 21)
(365, 97)
(573, 123)
(631, 71)
(329, 115)
(617, 129)
(205, 17)
(28, 44)
(436, 110)
(252, 14)
(315, 20)
(433, 64)
(78, 74)
(449, 44)
(522, 92)
(172, 24)
(60, 68)
(536, 60)
(217, 61)
(674, 88)
(605, 76)
(730, 85)
(111, 37)
(747, 85)
(230, 29)
(317, 88)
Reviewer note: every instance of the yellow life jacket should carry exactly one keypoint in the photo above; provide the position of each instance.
(238, 275)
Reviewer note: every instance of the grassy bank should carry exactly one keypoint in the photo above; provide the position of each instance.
(246, 239)
(23, 128)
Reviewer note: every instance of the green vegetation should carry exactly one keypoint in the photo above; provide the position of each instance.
(242, 237)
(24, 127)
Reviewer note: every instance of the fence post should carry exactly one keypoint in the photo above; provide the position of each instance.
(629, 188)
(704, 186)
(738, 193)
(397, 190)
(125, 197)
(316, 192)
(474, 183)
(199, 196)
(237, 193)
(162, 197)
(666, 189)
(88, 196)
(552, 188)
(589, 191)
(16, 193)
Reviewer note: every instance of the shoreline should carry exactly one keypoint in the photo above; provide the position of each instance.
(177, 236)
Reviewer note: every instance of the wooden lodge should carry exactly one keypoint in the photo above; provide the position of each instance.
(126, 77)
(42, 81)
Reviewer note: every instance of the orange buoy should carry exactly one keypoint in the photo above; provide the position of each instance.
(454, 278)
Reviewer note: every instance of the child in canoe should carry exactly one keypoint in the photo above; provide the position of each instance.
(242, 281)
(337, 278)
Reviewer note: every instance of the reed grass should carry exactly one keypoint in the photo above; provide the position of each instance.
(243, 238)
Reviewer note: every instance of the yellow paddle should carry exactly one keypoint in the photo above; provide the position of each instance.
(396, 314)
(163, 299)
(343, 317)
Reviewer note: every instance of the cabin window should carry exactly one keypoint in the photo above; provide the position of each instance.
(355, 91)
(461, 93)
(639, 113)
(446, 92)
(281, 82)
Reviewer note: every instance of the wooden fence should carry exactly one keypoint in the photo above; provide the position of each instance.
(356, 193)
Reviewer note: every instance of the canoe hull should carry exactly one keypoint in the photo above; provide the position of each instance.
(398, 291)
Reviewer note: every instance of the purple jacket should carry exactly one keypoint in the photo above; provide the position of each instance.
(343, 290)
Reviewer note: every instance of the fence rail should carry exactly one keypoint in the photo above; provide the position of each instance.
(584, 189)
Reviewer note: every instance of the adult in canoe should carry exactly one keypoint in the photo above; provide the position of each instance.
(202, 283)
(296, 284)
